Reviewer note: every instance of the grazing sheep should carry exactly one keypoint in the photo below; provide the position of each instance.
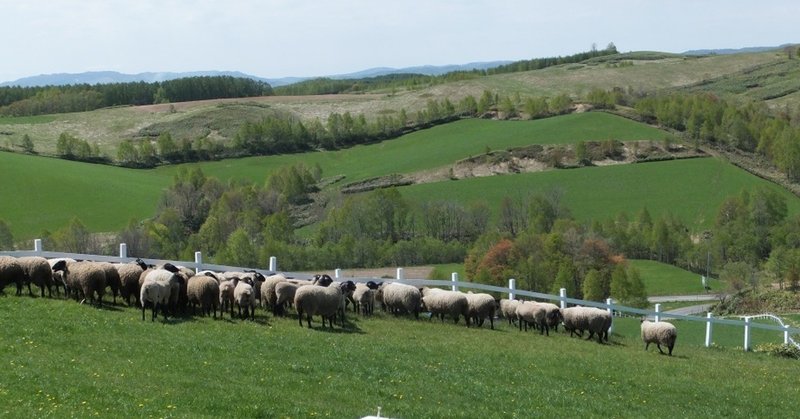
(531, 313)
(156, 290)
(481, 306)
(595, 320)
(269, 298)
(58, 276)
(508, 309)
(285, 292)
(113, 279)
(364, 297)
(244, 295)
(86, 278)
(38, 271)
(203, 290)
(129, 274)
(441, 302)
(315, 299)
(11, 271)
(226, 300)
(660, 333)
(401, 298)
(553, 315)
(347, 288)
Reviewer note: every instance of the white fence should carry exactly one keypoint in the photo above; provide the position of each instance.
(455, 285)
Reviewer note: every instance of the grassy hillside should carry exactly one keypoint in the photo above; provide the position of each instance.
(106, 198)
(83, 361)
(662, 279)
(44, 194)
(440, 146)
(219, 119)
(690, 189)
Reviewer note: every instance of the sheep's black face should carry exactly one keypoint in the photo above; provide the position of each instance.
(141, 264)
(372, 285)
(170, 267)
(61, 265)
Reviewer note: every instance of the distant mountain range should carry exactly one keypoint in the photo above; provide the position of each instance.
(103, 77)
(725, 51)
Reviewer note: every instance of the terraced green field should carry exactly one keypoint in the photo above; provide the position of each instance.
(690, 189)
(662, 279)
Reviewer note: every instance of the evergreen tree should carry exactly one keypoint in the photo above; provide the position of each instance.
(593, 286)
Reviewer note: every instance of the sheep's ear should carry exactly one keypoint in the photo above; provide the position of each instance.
(211, 274)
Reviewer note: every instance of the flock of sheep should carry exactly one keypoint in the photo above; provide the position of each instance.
(171, 290)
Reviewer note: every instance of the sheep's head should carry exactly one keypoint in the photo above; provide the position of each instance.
(61, 265)
(170, 267)
(141, 263)
(348, 286)
(372, 285)
(322, 280)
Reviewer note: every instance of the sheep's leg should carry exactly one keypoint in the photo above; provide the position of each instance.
(646, 345)
(670, 349)
(491, 322)
(658, 345)
(591, 334)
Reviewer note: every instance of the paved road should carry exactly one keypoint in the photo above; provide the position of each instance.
(687, 311)
(668, 298)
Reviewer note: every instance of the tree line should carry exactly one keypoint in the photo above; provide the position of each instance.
(29, 101)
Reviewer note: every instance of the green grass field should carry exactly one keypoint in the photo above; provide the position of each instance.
(690, 189)
(44, 194)
(662, 279)
(64, 359)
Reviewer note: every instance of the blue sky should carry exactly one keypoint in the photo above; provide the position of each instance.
(277, 38)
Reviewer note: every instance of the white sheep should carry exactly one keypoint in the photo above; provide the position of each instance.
(244, 296)
(553, 315)
(11, 272)
(113, 280)
(364, 297)
(156, 290)
(203, 290)
(595, 320)
(400, 298)
(38, 271)
(441, 302)
(268, 296)
(310, 300)
(129, 274)
(660, 333)
(88, 278)
(508, 309)
(531, 313)
(481, 306)
(226, 300)
(285, 292)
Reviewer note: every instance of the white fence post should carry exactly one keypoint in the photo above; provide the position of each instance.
(512, 285)
(708, 330)
(658, 310)
(123, 250)
(786, 334)
(747, 333)
(611, 312)
(562, 295)
(337, 273)
(401, 274)
(454, 281)
(273, 263)
(198, 260)
(37, 245)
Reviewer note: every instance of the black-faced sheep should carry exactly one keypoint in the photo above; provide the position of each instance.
(310, 300)
(441, 302)
(11, 272)
(269, 298)
(660, 333)
(203, 290)
(481, 307)
(38, 271)
(531, 313)
(400, 298)
(285, 292)
(129, 274)
(244, 296)
(113, 280)
(156, 289)
(595, 320)
(508, 309)
(364, 296)
(88, 278)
